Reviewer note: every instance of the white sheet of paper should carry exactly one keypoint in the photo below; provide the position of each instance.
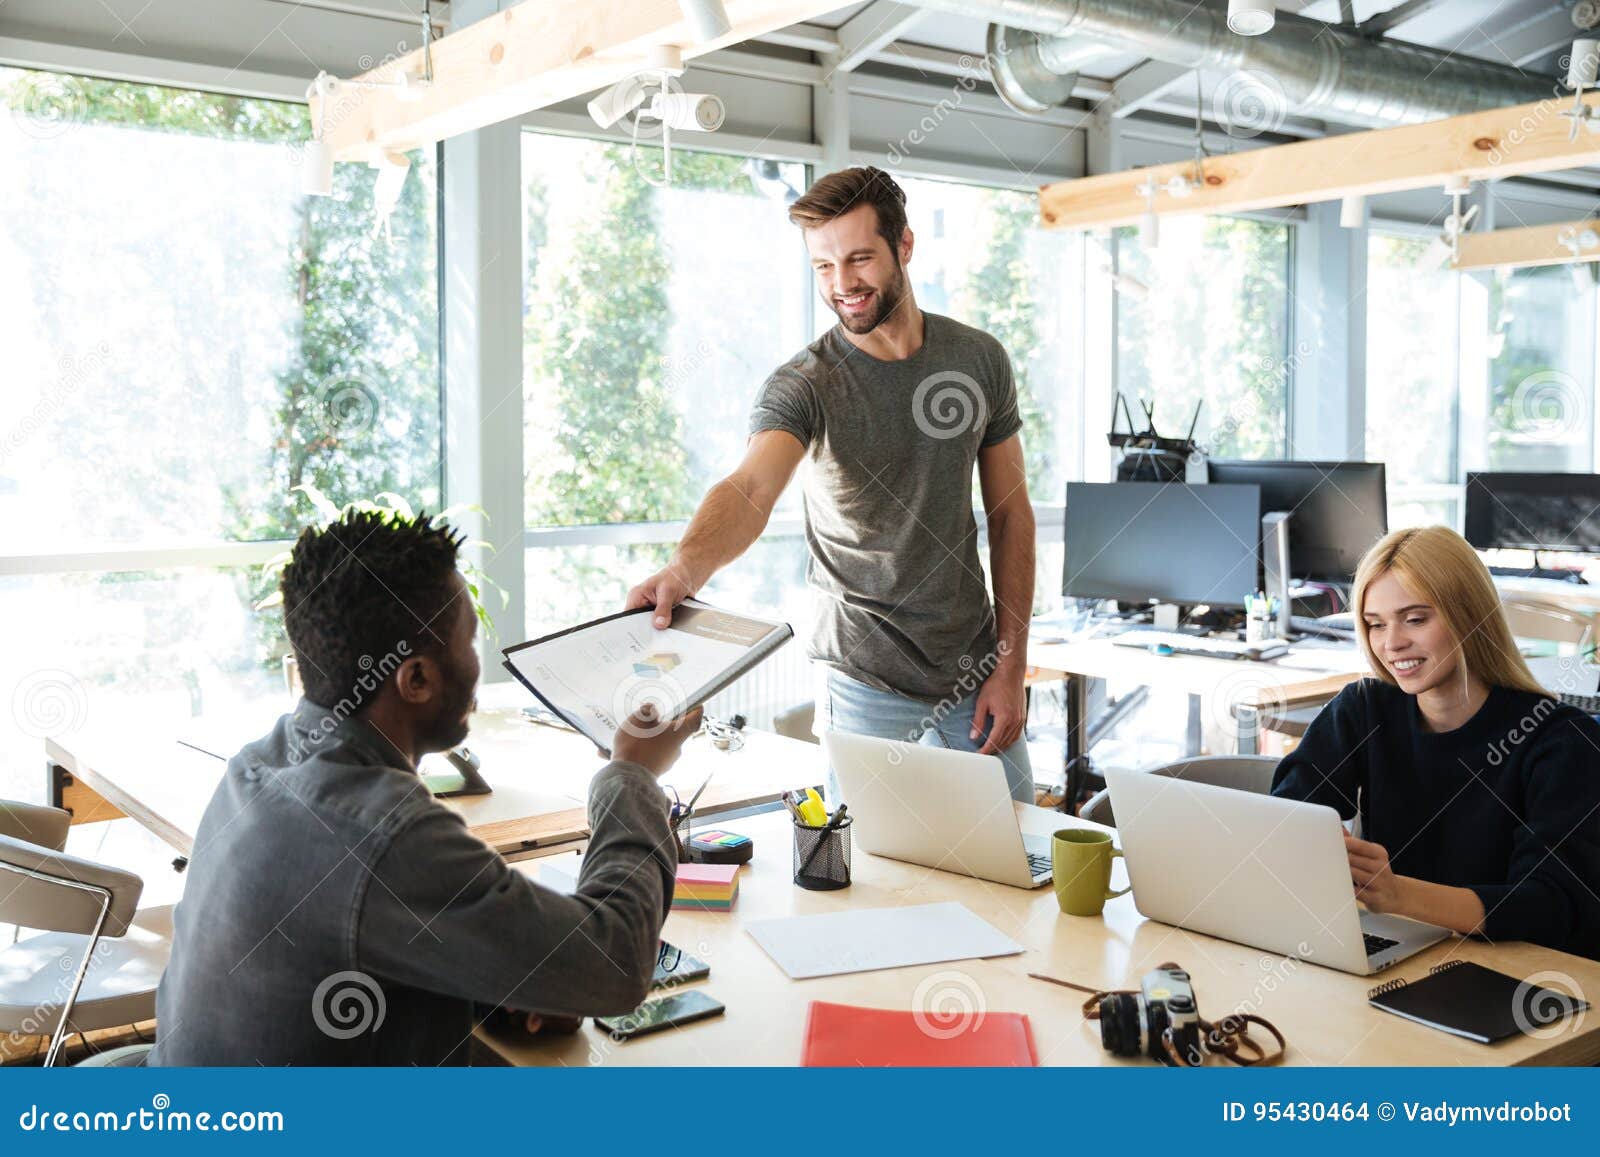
(865, 939)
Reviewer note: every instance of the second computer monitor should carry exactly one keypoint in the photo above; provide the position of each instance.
(1337, 509)
(1534, 511)
(1137, 541)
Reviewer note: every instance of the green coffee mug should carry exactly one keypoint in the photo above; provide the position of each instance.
(1080, 862)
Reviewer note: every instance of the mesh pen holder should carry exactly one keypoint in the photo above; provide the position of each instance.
(822, 856)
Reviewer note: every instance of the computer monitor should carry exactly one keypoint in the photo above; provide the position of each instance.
(1534, 511)
(1167, 541)
(1337, 509)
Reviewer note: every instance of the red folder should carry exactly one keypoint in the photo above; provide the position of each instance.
(839, 1035)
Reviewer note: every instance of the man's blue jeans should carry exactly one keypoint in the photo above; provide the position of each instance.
(849, 705)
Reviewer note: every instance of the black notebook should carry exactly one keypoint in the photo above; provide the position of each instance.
(1478, 1003)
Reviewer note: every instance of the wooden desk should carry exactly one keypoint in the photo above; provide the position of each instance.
(540, 774)
(1231, 693)
(1323, 1013)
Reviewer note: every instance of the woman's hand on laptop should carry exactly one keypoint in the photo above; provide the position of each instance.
(1376, 884)
(652, 744)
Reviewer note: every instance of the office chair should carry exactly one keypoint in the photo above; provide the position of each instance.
(1547, 622)
(1251, 773)
(95, 960)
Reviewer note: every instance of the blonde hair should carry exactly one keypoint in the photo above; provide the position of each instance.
(1438, 566)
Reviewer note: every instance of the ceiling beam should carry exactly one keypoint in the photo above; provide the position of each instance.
(1527, 247)
(1385, 22)
(1144, 85)
(807, 37)
(872, 29)
(1491, 145)
(1531, 41)
(526, 57)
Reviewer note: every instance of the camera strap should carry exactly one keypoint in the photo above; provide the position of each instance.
(1228, 1038)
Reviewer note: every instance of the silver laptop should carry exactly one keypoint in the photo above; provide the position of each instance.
(1260, 870)
(944, 809)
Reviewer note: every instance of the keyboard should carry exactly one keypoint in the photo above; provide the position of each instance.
(1039, 863)
(1181, 644)
(1377, 944)
(1338, 629)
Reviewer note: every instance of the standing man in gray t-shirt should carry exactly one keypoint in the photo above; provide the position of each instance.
(893, 406)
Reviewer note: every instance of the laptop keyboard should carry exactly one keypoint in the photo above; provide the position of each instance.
(1039, 863)
(1376, 944)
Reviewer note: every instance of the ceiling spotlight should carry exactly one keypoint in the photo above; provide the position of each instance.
(1582, 276)
(708, 19)
(316, 159)
(1352, 212)
(616, 102)
(1251, 17)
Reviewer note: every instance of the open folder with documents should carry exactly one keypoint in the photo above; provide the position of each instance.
(598, 674)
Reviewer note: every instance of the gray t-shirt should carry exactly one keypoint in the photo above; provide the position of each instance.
(894, 546)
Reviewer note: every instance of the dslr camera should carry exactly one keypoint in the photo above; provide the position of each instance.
(1161, 1020)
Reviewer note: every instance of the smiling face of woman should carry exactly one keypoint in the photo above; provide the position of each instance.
(1409, 637)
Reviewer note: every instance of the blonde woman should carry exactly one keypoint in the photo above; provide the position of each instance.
(1479, 794)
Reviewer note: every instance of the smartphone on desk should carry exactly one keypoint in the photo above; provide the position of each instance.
(668, 1012)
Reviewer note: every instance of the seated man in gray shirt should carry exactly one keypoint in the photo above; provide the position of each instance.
(335, 913)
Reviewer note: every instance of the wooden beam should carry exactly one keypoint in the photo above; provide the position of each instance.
(1526, 247)
(872, 29)
(1491, 145)
(529, 56)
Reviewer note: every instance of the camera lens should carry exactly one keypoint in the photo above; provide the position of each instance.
(1119, 1024)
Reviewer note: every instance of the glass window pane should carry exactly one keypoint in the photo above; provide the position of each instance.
(1541, 376)
(652, 317)
(1210, 325)
(981, 258)
(187, 336)
(1412, 320)
(151, 649)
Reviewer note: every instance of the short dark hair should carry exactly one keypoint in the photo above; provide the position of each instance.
(362, 590)
(838, 193)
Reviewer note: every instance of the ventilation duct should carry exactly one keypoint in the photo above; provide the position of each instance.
(1327, 71)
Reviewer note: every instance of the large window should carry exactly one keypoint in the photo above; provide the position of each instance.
(1541, 370)
(1204, 318)
(1413, 319)
(981, 257)
(652, 317)
(187, 340)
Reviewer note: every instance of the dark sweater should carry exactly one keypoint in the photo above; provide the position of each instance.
(1508, 804)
